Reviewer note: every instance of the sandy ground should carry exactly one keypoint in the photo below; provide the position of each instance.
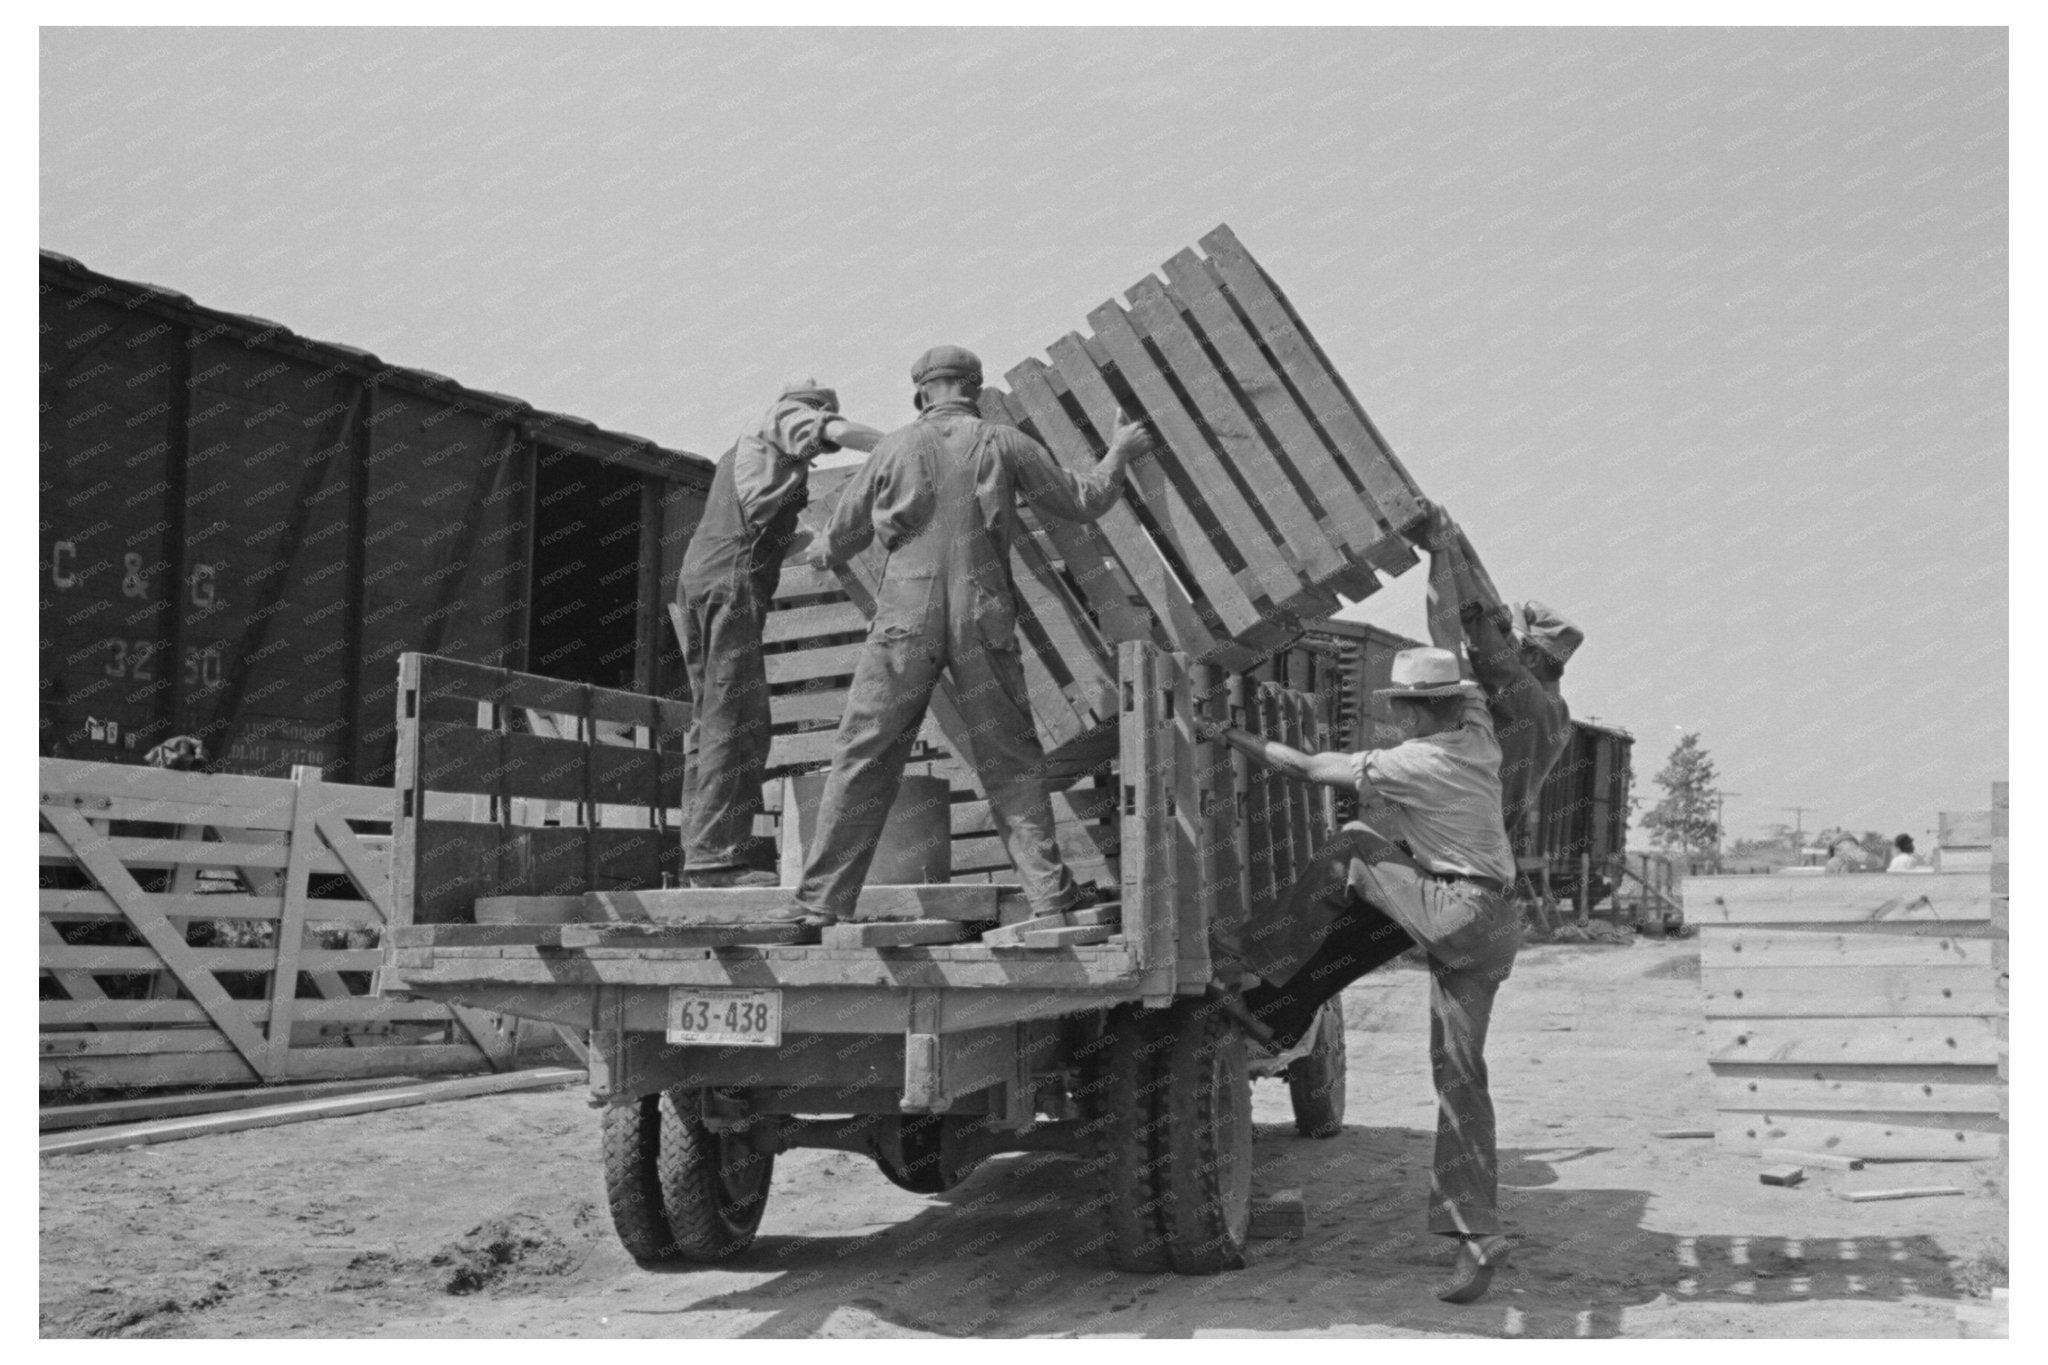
(487, 1216)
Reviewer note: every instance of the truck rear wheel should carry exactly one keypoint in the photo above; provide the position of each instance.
(714, 1186)
(1315, 1082)
(1206, 1140)
(1128, 1102)
(632, 1186)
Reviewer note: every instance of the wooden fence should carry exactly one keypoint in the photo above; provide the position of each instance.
(1858, 1015)
(211, 929)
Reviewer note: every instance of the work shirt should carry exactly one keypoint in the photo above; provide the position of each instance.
(1440, 795)
(890, 499)
(756, 493)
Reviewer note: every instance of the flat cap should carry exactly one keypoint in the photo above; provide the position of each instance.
(946, 362)
(1548, 631)
(811, 392)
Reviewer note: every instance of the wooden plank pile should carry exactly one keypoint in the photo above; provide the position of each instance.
(1856, 1015)
(214, 929)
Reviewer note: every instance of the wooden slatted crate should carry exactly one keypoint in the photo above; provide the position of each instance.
(1853, 1014)
(1270, 493)
(215, 929)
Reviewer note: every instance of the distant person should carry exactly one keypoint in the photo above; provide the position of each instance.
(1845, 855)
(1904, 859)
(727, 584)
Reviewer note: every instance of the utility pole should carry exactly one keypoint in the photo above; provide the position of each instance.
(1720, 830)
(1799, 828)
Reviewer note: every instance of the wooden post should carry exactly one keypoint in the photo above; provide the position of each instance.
(291, 923)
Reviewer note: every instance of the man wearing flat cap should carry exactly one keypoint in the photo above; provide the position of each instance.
(1427, 862)
(941, 495)
(724, 591)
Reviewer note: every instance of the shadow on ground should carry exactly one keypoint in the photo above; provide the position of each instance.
(1018, 1250)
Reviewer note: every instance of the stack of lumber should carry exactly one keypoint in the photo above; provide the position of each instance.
(1856, 1015)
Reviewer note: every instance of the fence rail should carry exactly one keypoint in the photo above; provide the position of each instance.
(213, 929)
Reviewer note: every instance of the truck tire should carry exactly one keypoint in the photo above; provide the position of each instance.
(1206, 1139)
(632, 1153)
(714, 1186)
(1128, 1104)
(1316, 1082)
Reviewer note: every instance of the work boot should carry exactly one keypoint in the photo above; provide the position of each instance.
(1472, 1271)
(729, 877)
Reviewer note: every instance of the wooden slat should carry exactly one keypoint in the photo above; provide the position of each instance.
(1205, 476)
(330, 1106)
(302, 1064)
(1223, 907)
(1088, 970)
(1967, 1040)
(291, 928)
(92, 958)
(745, 905)
(1894, 1136)
(59, 1014)
(98, 905)
(1216, 585)
(1872, 898)
(1351, 514)
(52, 1118)
(1150, 890)
(1296, 355)
(77, 985)
(808, 665)
(1269, 490)
(1923, 944)
(442, 677)
(896, 934)
(1177, 613)
(1195, 901)
(830, 619)
(156, 854)
(1898, 1089)
(1847, 992)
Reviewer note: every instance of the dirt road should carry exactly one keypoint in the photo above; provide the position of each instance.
(487, 1217)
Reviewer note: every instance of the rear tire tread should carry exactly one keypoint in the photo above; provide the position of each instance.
(705, 1226)
(632, 1185)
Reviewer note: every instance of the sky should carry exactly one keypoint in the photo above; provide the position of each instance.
(1700, 333)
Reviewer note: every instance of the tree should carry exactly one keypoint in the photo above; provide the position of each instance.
(1686, 819)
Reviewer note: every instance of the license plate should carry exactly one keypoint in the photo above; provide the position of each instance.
(708, 1016)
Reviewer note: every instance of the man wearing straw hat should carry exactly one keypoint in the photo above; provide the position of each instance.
(1427, 862)
(723, 593)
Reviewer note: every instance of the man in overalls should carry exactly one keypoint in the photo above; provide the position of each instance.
(941, 496)
(725, 589)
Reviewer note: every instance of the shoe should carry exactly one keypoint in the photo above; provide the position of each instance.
(1090, 894)
(1472, 1271)
(801, 916)
(730, 877)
